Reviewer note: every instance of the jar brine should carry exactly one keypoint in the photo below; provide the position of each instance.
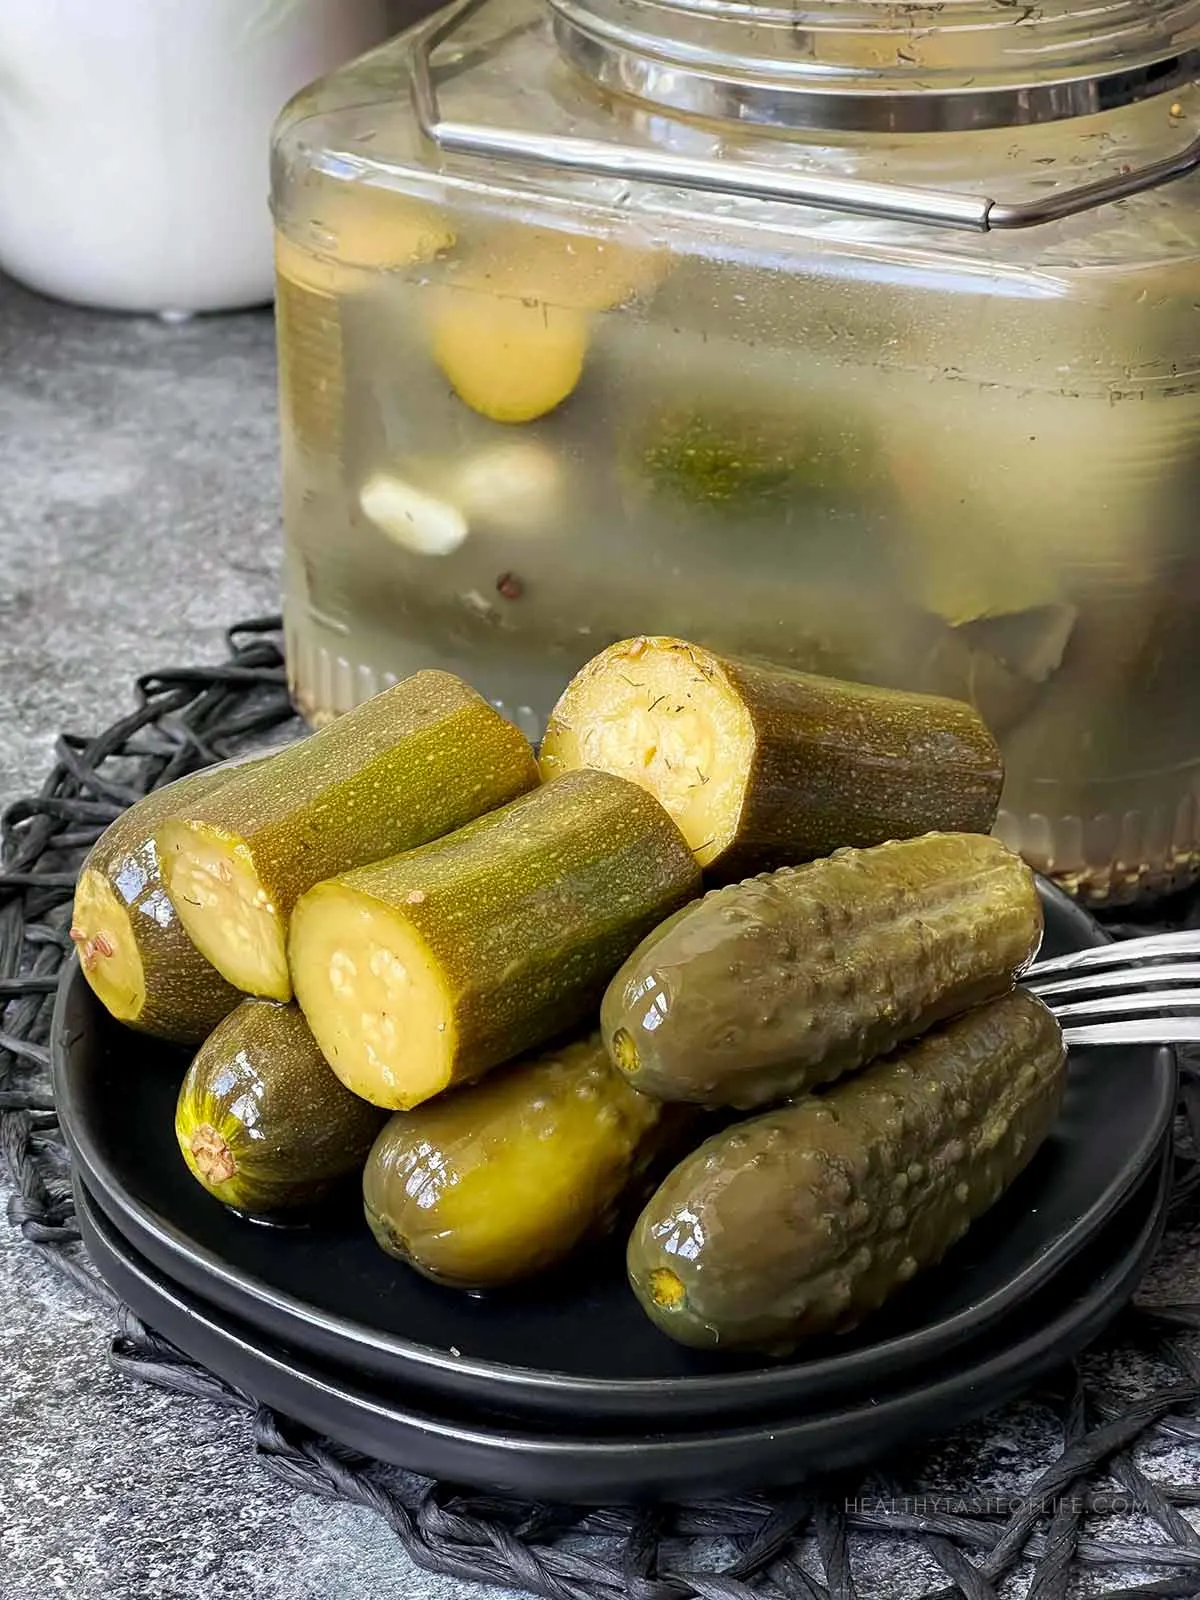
(859, 337)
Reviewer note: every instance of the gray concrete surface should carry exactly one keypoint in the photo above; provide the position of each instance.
(138, 517)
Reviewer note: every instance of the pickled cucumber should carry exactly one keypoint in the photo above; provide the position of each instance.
(804, 1220)
(501, 1180)
(766, 988)
(433, 967)
(132, 947)
(261, 1121)
(764, 767)
(414, 762)
(725, 460)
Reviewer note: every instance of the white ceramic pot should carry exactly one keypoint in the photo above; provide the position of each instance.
(134, 140)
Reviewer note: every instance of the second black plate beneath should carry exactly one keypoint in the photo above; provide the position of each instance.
(571, 1461)
(575, 1344)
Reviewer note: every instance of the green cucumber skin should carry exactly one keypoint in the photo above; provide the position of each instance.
(841, 764)
(531, 909)
(307, 1133)
(750, 465)
(804, 1220)
(768, 988)
(523, 1106)
(415, 762)
(185, 996)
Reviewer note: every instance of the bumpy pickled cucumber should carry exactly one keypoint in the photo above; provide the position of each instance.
(132, 947)
(756, 466)
(761, 766)
(261, 1121)
(501, 1180)
(804, 1220)
(415, 762)
(766, 988)
(433, 967)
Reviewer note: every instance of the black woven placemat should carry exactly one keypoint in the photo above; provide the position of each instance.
(1089, 1515)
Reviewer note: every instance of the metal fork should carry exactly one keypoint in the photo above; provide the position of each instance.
(1134, 991)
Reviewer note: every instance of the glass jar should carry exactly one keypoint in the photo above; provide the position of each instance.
(863, 338)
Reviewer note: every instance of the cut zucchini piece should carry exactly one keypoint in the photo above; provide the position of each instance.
(512, 331)
(219, 895)
(371, 988)
(415, 762)
(133, 948)
(763, 767)
(431, 968)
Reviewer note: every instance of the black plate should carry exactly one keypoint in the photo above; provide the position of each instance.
(577, 1344)
(452, 1443)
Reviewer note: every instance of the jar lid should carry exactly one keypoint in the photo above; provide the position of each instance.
(866, 65)
(871, 89)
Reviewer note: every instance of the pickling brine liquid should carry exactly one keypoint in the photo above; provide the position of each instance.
(501, 461)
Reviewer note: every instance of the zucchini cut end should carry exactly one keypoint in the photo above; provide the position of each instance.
(373, 996)
(661, 713)
(509, 359)
(108, 953)
(225, 909)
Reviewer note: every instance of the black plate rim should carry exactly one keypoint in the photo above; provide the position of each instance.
(199, 1270)
(961, 1396)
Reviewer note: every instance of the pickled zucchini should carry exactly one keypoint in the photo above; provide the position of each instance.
(433, 967)
(766, 988)
(511, 332)
(764, 767)
(132, 946)
(508, 359)
(416, 761)
(495, 1182)
(804, 1220)
(261, 1121)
